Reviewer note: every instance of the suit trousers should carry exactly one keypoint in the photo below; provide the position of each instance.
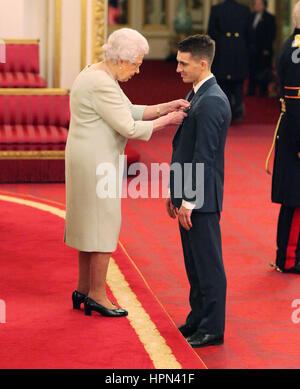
(288, 238)
(202, 250)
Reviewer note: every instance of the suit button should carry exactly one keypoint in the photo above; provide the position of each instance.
(228, 34)
(236, 34)
(277, 137)
(228, 77)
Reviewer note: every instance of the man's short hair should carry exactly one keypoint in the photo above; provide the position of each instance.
(200, 46)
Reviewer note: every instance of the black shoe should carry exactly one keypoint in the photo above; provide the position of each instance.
(187, 329)
(91, 305)
(201, 340)
(77, 298)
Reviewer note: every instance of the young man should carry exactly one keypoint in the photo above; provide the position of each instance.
(200, 140)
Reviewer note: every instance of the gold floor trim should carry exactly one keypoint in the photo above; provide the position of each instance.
(34, 91)
(34, 154)
(155, 345)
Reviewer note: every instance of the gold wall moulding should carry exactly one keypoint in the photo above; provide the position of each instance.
(32, 154)
(83, 32)
(155, 15)
(57, 42)
(99, 29)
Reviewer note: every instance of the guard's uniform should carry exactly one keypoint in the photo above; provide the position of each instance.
(229, 26)
(286, 170)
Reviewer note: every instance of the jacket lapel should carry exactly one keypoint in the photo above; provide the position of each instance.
(199, 93)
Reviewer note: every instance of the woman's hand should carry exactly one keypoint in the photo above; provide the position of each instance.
(178, 105)
(175, 118)
(171, 119)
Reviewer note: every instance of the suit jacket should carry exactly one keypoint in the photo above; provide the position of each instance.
(200, 139)
(286, 171)
(230, 28)
(263, 36)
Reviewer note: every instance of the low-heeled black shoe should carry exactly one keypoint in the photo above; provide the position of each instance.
(201, 340)
(187, 329)
(78, 298)
(91, 305)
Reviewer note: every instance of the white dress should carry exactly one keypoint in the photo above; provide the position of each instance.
(102, 119)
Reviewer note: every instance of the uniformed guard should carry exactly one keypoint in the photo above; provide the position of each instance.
(286, 170)
(229, 26)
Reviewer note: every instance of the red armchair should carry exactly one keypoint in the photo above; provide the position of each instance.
(21, 67)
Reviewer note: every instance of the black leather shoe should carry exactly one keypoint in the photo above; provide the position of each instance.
(91, 305)
(77, 298)
(201, 340)
(187, 329)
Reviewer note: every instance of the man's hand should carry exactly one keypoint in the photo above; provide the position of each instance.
(171, 209)
(184, 216)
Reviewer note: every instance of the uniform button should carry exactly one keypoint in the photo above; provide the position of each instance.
(277, 136)
(236, 34)
(228, 34)
(228, 77)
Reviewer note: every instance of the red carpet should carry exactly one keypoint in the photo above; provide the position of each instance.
(42, 331)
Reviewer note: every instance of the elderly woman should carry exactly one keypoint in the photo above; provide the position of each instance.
(102, 119)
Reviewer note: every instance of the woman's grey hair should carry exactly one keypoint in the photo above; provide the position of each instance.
(125, 44)
(296, 14)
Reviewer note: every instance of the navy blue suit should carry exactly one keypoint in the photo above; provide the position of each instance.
(201, 140)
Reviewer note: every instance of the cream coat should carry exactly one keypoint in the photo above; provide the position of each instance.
(102, 119)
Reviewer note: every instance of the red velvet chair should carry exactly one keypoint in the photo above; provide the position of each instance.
(21, 68)
(33, 133)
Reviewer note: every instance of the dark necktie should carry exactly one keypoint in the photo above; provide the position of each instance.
(192, 94)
